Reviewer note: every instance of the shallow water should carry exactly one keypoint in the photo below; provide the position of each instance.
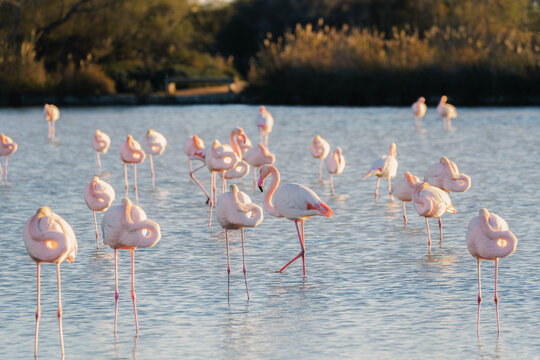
(371, 291)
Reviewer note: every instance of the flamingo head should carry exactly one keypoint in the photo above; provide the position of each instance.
(3, 138)
(338, 151)
(411, 179)
(422, 99)
(263, 174)
(43, 211)
(444, 99)
(150, 132)
(238, 131)
(233, 189)
(393, 151)
(262, 109)
(198, 142)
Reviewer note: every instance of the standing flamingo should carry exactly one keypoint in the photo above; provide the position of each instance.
(49, 239)
(126, 227)
(191, 146)
(419, 109)
(294, 202)
(155, 145)
(335, 164)
(7, 147)
(236, 211)
(386, 167)
(51, 115)
(403, 188)
(319, 148)
(446, 176)
(431, 202)
(239, 141)
(100, 142)
(258, 156)
(98, 196)
(489, 238)
(447, 112)
(265, 123)
(132, 153)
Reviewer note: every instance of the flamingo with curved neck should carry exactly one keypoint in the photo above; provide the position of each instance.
(192, 145)
(446, 176)
(155, 145)
(98, 196)
(100, 142)
(7, 147)
(52, 114)
(132, 153)
(419, 109)
(384, 167)
(238, 140)
(335, 164)
(319, 149)
(265, 123)
(403, 188)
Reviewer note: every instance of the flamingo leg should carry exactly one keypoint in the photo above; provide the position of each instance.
(303, 245)
(440, 230)
(215, 189)
(478, 262)
(332, 184)
(428, 235)
(126, 178)
(212, 180)
(192, 175)
(255, 177)
(228, 267)
(53, 130)
(260, 136)
(135, 183)
(390, 188)
(190, 167)
(59, 312)
(377, 188)
(266, 139)
(97, 233)
(152, 171)
(49, 134)
(5, 170)
(98, 162)
(38, 311)
(301, 253)
(496, 298)
(404, 214)
(115, 289)
(320, 170)
(244, 263)
(223, 182)
(133, 295)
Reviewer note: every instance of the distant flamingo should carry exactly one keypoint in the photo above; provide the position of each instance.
(236, 211)
(489, 238)
(51, 115)
(155, 145)
(201, 156)
(191, 146)
(265, 123)
(126, 227)
(319, 149)
(294, 202)
(258, 156)
(132, 153)
(447, 112)
(98, 196)
(431, 202)
(386, 167)
(403, 188)
(445, 175)
(100, 142)
(49, 239)
(335, 164)
(419, 109)
(239, 141)
(7, 147)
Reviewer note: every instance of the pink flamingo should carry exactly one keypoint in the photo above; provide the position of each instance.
(7, 147)
(265, 123)
(193, 145)
(49, 239)
(431, 202)
(319, 149)
(419, 109)
(258, 156)
(294, 202)
(335, 164)
(447, 112)
(235, 211)
(51, 115)
(132, 153)
(126, 227)
(239, 143)
(100, 142)
(403, 188)
(386, 167)
(446, 176)
(489, 238)
(98, 196)
(155, 145)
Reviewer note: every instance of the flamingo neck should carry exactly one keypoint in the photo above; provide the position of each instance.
(234, 143)
(267, 200)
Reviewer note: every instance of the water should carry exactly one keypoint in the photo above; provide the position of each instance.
(371, 291)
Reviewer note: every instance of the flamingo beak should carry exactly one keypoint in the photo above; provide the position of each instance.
(261, 183)
(261, 188)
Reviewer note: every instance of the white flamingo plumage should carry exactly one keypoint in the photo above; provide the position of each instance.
(419, 109)
(446, 176)
(319, 149)
(265, 123)
(384, 167)
(155, 144)
(447, 112)
(239, 141)
(98, 196)
(192, 145)
(335, 164)
(52, 114)
(403, 188)
(101, 143)
(258, 156)
(7, 147)
(131, 152)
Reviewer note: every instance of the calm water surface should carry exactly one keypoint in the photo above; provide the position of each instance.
(371, 291)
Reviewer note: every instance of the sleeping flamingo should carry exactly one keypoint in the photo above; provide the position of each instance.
(265, 123)
(489, 238)
(239, 141)
(125, 227)
(132, 153)
(191, 146)
(386, 167)
(155, 145)
(335, 164)
(446, 176)
(258, 156)
(403, 188)
(419, 109)
(319, 149)
(51, 115)
(100, 142)
(7, 147)
(98, 196)
(49, 239)
(447, 112)
(236, 211)
(431, 202)
(294, 202)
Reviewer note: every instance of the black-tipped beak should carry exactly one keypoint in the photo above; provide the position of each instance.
(260, 187)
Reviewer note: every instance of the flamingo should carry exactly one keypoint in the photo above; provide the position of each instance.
(294, 202)
(239, 143)
(265, 123)
(335, 164)
(446, 176)
(386, 167)
(489, 238)
(235, 211)
(49, 239)
(431, 202)
(319, 148)
(258, 156)
(51, 115)
(7, 147)
(98, 196)
(191, 146)
(447, 112)
(126, 227)
(403, 188)
(155, 145)
(419, 109)
(100, 142)
(132, 153)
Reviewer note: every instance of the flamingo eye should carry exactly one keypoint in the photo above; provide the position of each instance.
(502, 242)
